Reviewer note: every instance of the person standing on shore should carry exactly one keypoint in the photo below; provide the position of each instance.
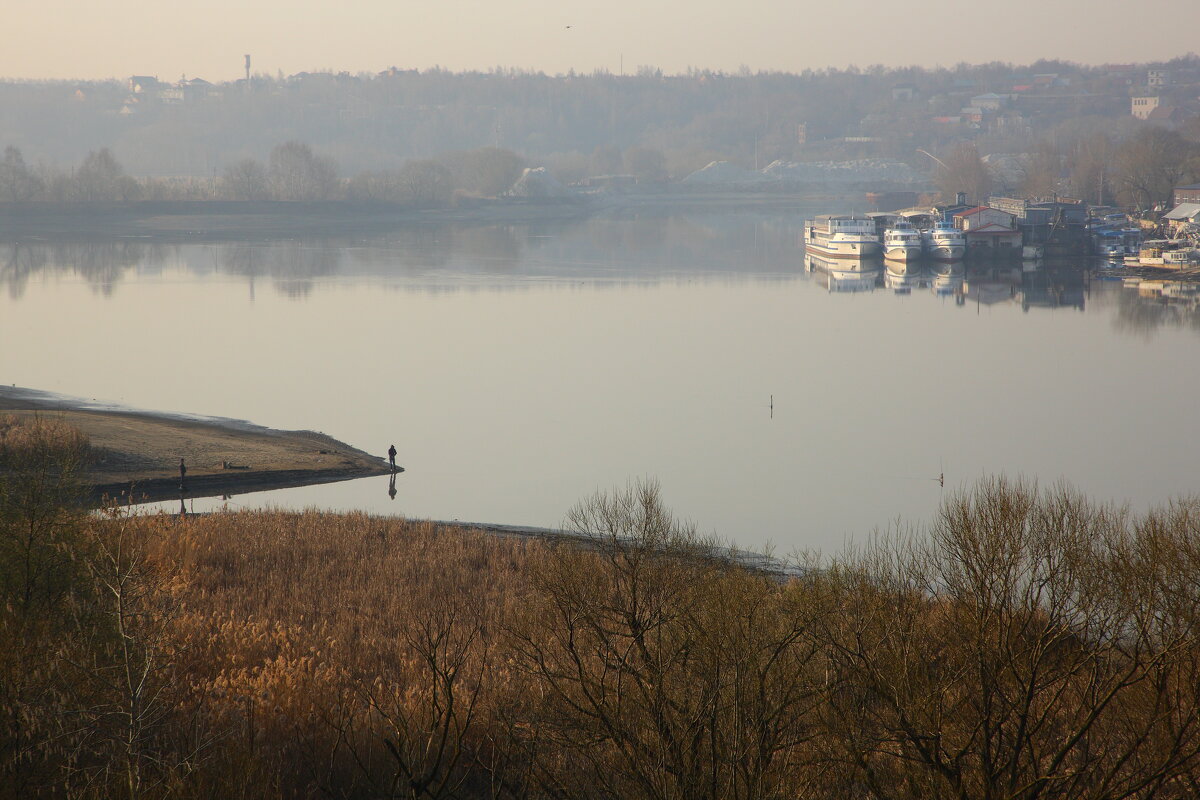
(182, 475)
(392, 456)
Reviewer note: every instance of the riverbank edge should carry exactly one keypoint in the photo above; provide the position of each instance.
(236, 220)
(138, 487)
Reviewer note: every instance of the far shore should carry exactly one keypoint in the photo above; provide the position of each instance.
(231, 220)
(136, 454)
(217, 220)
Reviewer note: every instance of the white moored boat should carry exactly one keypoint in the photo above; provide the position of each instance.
(837, 236)
(945, 243)
(902, 242)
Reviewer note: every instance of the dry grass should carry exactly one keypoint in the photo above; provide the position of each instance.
(273, 654)
(23, 436)
(312, 639)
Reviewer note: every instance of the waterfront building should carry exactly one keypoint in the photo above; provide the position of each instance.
(1187, 194)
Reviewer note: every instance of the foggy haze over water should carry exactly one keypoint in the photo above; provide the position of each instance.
(520, 368)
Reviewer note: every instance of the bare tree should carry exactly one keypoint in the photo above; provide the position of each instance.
(1012, 655)
(666, 671)
(102, 178)
(1042, 171)
(427, 719)
(1089, 161)
(1150, 165)
(17, 183)
(425, 184)
(962, 170)
(125, 668)
(488, 171)
(297, 174)
(246, 180)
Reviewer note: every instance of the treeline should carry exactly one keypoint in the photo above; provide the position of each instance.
(377, 122)
(292, 172)
(1140, 172)
(1030, 644)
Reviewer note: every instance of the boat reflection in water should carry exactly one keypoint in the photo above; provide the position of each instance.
(902, 278)
(948, 280)
(845, 274)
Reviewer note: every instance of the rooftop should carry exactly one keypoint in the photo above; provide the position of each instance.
(1183, 211)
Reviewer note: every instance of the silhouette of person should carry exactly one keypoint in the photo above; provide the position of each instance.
(392, 486)
(392, 457)
(182, 475)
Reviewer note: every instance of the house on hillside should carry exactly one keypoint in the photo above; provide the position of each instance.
(196, 88)
(1158, 78)
(143, 84)
(904, 92)
(989, 102)
(1142, 106)
(971, 116)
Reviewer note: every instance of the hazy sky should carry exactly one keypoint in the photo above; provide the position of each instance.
(169, 38)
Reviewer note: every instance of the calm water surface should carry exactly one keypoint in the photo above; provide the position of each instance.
(518, 369)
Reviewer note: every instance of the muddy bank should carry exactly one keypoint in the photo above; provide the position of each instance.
(135, 454)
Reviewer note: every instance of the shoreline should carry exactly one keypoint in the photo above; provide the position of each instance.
(167, 222)
(233, 220)
(135, 453)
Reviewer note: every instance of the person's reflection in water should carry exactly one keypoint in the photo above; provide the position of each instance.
(392, 486)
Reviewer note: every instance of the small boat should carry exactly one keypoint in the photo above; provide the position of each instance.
(944, 242)
(902, 242)
(1171, 254)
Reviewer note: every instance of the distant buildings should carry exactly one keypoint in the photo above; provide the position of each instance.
(147, 88)
(1187, 194)
(1158, 79)
(1182, 216)
(1142, 106)
(143, 84)
(991, 233)
(989, 101)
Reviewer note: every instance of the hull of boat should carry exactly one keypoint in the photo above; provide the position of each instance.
(948, 252)
(853, 249)
(903, 254)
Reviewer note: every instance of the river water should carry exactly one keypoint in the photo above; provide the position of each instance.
(518, 369)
